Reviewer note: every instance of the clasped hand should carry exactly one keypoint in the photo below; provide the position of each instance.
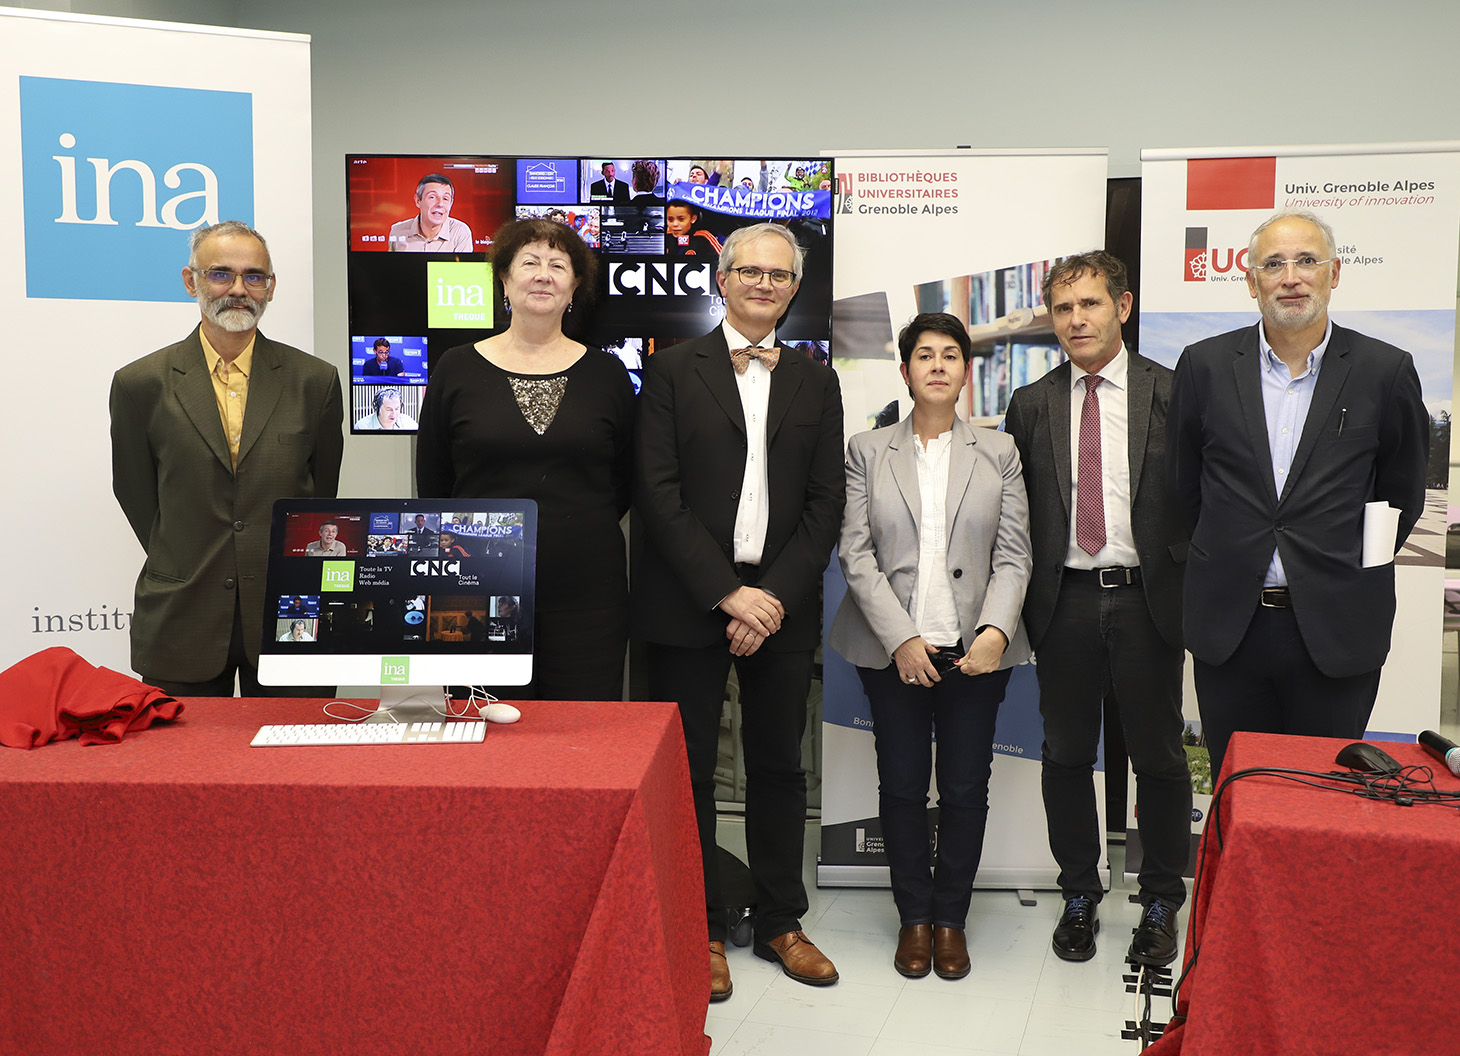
(754, 617)
(915, 664)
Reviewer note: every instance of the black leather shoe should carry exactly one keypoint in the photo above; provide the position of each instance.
(1154, 942)
(1074, 935)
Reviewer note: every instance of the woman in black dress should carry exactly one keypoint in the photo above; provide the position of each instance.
(531, 413)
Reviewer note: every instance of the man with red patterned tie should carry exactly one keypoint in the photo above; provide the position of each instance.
(1103, 608)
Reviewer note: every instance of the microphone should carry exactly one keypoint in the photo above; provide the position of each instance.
(1442, 748)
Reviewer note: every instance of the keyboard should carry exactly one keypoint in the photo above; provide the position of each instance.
(322, 733)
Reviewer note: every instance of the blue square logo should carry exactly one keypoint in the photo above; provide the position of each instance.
(116, 175)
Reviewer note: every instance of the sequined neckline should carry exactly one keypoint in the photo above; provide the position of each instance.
(538, 398)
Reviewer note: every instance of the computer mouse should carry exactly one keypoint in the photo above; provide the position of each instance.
(498, 712)
(1362, 756)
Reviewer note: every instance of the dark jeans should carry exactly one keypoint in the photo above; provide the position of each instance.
(1101, 639)
(963, 709)
(773, 688)
(221, 685)
(1270, 685)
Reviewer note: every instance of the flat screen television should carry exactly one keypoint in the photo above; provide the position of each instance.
(412, 595)
(656, 227)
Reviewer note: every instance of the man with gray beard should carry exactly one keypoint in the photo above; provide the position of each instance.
(206, 434)
(1278, 436)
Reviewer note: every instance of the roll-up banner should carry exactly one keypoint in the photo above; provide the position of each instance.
(970, 233)
(122, 137)
(1395, 213)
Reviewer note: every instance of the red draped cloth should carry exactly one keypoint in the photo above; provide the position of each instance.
(538, 894)
(55, 695)
(1321, 924)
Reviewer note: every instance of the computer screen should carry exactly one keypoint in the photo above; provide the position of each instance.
(400, 592)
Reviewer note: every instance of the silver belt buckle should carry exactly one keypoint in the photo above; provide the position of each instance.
(1110, 586)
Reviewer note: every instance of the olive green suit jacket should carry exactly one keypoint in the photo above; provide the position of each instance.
(205, 527)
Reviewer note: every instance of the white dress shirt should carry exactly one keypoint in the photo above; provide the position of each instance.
(932, 606)
(752, 515)
(1120, 543)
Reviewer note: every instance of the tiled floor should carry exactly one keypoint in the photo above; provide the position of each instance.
(1019, 999)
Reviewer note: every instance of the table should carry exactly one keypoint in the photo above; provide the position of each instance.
(1324, 922)
(182, 892)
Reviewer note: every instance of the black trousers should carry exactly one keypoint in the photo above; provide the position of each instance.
(773, 689)
(1271, 685)
(963, 709)
(1100, 639)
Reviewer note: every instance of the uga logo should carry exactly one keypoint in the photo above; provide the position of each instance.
(114, 177)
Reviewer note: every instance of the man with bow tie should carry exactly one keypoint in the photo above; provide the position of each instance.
(739, 494)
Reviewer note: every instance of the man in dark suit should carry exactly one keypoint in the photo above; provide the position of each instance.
(739, 492)
(206, 434)
(422, 540)
(384, 364)
(1103, 608)
(1279, 434)
(609, 188)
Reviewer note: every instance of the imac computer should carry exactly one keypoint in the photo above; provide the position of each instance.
(412, 595)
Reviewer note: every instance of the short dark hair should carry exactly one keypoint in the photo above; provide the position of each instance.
(939, 323)
(514, 236)
(434, 177)
(380, 342)
(1096, 262)
(323, 523)
(684, 203)
(645, 174)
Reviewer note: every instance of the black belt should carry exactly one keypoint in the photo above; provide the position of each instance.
(1106, 578)
(1276, 598)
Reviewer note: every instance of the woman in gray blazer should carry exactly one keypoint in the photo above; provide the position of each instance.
(935, 548)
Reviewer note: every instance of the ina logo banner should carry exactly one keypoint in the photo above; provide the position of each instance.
(116, 175)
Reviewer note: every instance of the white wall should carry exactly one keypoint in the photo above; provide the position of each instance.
(751, 76)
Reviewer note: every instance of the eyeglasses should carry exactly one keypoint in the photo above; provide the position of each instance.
(254, 280)
(1306, 267)
(780, 279)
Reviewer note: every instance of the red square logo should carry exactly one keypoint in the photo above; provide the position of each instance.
(1231, 183)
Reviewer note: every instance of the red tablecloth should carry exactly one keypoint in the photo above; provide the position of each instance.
(182, 892)
(1324, 922)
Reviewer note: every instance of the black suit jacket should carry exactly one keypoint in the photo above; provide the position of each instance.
(599, 189)
(1039, 421)
(691, 449)
(204, 527)
(1366, 439)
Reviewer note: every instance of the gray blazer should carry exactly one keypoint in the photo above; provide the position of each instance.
(205, 528)
(988, 541)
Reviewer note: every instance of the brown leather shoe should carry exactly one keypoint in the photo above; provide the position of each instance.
(720, 985)
(950, 953)
(798, 958)
(914, 956)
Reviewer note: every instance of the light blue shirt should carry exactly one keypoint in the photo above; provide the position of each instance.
(1285, 403)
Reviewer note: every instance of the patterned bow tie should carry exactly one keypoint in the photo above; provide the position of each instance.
(740, 357)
